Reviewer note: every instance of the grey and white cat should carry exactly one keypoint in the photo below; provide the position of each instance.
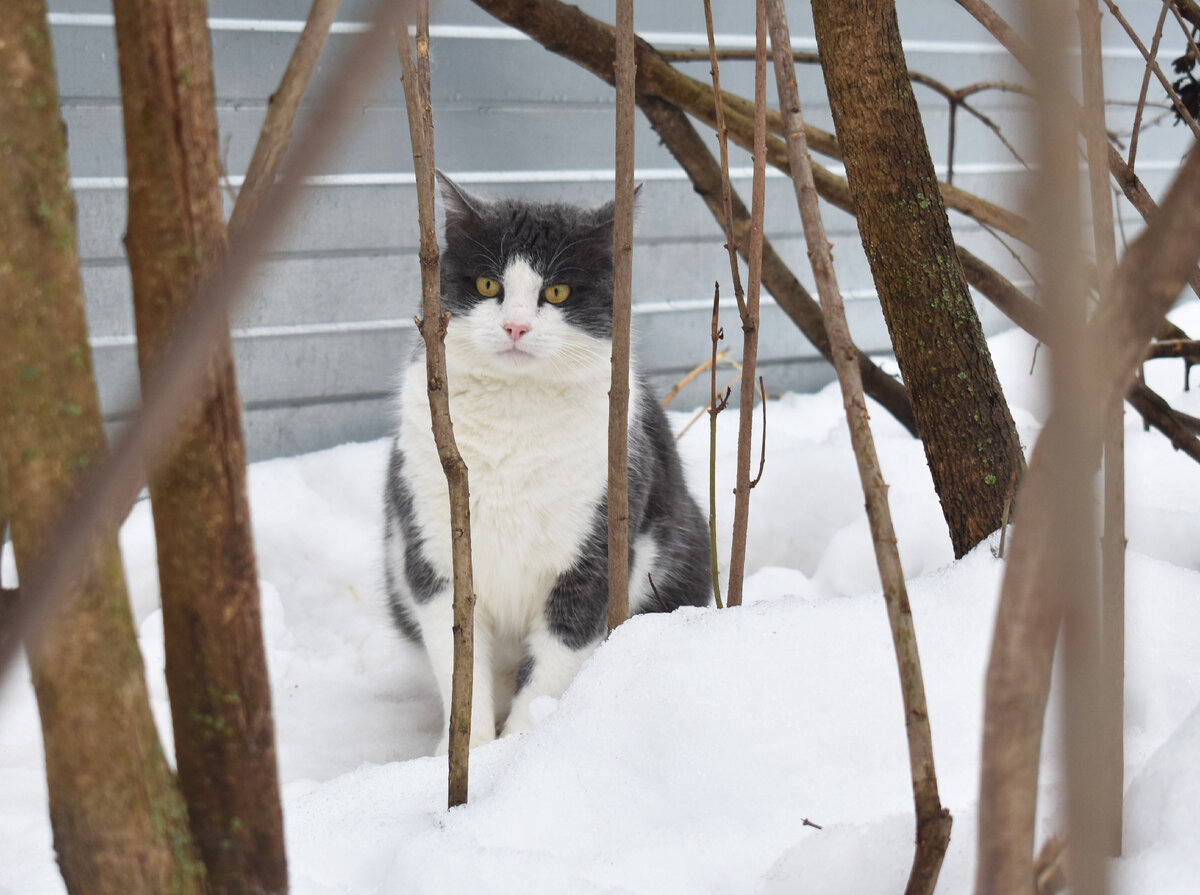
(529, 290)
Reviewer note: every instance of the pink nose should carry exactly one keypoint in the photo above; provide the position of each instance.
(516, 330)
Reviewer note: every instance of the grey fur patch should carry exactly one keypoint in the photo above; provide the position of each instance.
(659, 504)
(420, 582)
(524, 672)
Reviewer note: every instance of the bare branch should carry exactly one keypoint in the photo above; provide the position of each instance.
(933, 821)
(1188, 349)
(713, 409)
(762, 457)
(1129, 182)
(731, 242)
(618, 396)
(415, 77)
(749, 314)
(1154, 269)
(693, 155)
(1184, 114)
(276, 131)
(1141, 102)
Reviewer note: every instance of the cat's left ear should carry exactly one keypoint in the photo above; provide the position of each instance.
(461, 207)
(606, 215)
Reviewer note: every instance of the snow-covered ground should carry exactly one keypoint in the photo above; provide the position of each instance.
(694, 751)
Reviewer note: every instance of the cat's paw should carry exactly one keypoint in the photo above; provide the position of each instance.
(526, 714)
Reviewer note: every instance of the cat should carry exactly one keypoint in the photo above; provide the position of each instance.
(528, 347)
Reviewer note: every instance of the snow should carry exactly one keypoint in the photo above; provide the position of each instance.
(694, 752)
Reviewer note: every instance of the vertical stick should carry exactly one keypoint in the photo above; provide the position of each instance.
(433, 329)
(276, 131)
(1112, 725)
(749, 312)
(713, 409)
(1056, 218)
(933, 821)
(618, 396)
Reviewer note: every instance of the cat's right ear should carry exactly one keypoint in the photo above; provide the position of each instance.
(461, 207)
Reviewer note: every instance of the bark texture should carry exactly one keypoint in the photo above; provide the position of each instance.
(963, 420)
(216, 666)
(119, 821)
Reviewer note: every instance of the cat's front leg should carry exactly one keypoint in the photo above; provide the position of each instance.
(572, 626)
(548, 668)
(436, 618)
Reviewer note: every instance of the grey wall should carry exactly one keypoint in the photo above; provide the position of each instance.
(330, 314)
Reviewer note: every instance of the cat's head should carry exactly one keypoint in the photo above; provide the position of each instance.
(528, 285)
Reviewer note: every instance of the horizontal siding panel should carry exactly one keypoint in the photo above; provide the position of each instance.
(328, 318)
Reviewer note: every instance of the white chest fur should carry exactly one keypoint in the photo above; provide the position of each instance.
(536, 450)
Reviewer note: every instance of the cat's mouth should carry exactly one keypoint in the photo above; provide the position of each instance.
(516, 354)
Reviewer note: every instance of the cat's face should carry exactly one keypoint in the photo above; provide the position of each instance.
(528, 286)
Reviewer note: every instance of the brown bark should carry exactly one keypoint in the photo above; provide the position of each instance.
(119, 821)
(680, 137)
(1153, 270)
(573, 34)
(933, 822)
(216, 664)
(749, 314)
(618, 396)
(970, 440)
(106, 494)
(433, 329)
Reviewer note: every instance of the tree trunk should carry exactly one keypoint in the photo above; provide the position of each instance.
(970, 441)
(119, 821)
(216, 666)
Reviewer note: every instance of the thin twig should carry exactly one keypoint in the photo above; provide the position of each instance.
(690, 376)
(713, 409)
(750, 316)
(762, 459)
(618, 396)
(276, 131)
(731, 244)
(694, 156)
(662, 604)
(933, 821)
(432, 325)
(1141, 102)
(1180, 107)
(1132, 187)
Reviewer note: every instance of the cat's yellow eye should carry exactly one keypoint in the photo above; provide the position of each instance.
(556, 295)
(487, 287)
